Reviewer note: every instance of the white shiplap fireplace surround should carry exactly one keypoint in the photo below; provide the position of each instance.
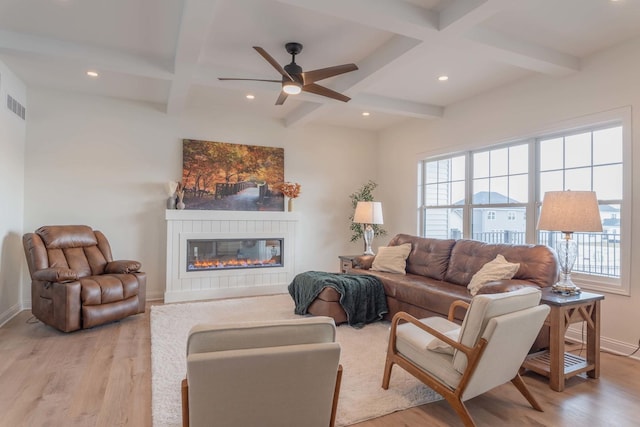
(182, 225)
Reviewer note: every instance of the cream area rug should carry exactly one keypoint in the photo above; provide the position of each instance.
(362, 357)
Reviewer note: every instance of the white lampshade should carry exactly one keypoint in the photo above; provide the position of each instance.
(570, 211)
(368, 213)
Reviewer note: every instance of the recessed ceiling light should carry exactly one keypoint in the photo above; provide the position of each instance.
(366, 113)
(443, 78)
(92, 73)
(250, 96)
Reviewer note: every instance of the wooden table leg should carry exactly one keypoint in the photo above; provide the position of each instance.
(593, 341)
(556, 348)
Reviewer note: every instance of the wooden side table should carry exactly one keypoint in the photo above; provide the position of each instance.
(565, 310)
(346, 262)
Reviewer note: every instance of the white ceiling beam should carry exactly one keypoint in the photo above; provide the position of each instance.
(88, 56)
(357, 80)
(302, 115)
(462, 15)
(522, 54)
(397, 106)
(418, 24)
(464, 18)
(196, 22)
(398, 17)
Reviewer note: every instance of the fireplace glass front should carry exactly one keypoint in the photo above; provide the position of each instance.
(222, 254)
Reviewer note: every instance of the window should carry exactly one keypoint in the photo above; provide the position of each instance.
(499, 181)
(590, 160)
(443, 195)
(494, 194)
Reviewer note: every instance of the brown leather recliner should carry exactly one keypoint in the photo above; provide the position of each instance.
(75, 283)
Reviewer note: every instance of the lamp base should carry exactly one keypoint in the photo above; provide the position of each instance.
(368, 238)
(565, 286)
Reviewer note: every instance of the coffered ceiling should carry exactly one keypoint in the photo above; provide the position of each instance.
(171, 52)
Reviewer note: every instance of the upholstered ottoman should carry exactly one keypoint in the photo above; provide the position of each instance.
(356, 299)
(327, 303)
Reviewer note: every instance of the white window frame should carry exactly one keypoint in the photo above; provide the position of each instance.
(619, 116)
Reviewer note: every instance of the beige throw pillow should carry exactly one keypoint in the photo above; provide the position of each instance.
(498, 269)
(392, 259)
(440, 346)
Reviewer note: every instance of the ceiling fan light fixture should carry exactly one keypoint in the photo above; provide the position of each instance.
(291, 88)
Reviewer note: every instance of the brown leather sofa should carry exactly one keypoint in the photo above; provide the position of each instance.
(75, 283)
(438, 272)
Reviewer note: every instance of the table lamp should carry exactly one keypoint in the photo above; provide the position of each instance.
(368, 213)
(569, 212)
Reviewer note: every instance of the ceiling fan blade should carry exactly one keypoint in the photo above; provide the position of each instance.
(252, 80)
(321, 90)
(281, 98)
(324, 73)
(272, 61)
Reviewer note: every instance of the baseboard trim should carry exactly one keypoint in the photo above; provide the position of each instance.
(575, 334)
(9, 314)
(245, 291)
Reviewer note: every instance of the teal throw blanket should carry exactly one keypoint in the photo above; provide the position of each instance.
(361, 296)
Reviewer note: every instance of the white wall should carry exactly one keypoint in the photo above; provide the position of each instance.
(606, 81)
(104, 162)
(12, 143)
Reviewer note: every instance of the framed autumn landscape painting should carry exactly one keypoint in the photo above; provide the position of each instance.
(224, 176)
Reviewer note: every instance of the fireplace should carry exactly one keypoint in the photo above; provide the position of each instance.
(224, 254)
(220, 254)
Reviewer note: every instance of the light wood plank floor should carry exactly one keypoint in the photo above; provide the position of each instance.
(102, 377)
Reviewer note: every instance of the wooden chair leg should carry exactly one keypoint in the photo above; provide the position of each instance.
(461, 410)
(522, 387)
(336, 395)
(386, 376)
(185, 403)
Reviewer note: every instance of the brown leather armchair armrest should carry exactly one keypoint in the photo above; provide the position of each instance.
(55, 275)
(363, 262)
(499, 286)
(122, 267)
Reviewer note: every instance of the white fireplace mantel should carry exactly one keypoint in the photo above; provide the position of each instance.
(188, 224)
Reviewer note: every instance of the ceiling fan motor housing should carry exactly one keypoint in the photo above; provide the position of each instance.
(294, 71)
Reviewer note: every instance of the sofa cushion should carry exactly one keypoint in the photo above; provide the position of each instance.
(428, 257)
(538, 263)
(498, 269)
(392, 259)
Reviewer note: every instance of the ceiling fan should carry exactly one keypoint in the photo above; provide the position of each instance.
(294, 80)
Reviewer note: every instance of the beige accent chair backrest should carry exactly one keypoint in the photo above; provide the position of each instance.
(279, 373)
(485, 352)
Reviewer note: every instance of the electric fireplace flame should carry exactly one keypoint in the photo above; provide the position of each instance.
(225, 254)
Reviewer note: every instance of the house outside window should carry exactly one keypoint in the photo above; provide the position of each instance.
(499, 190)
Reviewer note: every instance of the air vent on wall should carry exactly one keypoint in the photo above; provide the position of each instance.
(16, 107)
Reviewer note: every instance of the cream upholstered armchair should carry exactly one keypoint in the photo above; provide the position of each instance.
(280, 373)
(461, 362)
(76, 283)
